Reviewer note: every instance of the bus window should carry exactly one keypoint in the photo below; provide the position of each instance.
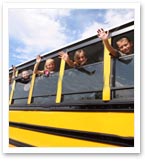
(21, 92)
(83, 83)
(124, 78)
(93, 52)
(42, 63)
(129, 36)
(22, 85)
(123, 70)
(45, 88)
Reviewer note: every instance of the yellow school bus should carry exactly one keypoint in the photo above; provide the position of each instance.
(88, 106)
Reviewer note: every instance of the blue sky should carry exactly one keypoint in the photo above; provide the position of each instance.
(37, 31)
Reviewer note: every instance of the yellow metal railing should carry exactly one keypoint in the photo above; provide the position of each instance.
(60, 79)
(29, 100)
(13, 89)
(106, 93)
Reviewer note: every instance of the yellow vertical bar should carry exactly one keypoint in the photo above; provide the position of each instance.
(29, 100)
(107, 65)
(13, 89)
(60, 79)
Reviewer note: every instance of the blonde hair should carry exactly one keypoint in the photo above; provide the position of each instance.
(48, 61)
(77, 54)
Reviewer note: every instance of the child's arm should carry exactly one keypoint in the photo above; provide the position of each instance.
(35, 70)
(14, 77)
(103, 35)
(66, 58)
(14, 72)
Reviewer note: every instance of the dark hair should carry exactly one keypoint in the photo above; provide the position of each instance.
(120, 38)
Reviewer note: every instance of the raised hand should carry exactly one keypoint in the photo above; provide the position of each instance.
(63, 56)
(38, 59)
(14, 71)
(103, 35)
(14, 68)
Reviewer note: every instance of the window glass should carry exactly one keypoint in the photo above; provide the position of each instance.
(124, 75)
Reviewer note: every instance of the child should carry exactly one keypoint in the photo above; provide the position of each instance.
(124, 45)
(49, 66)
(79, 58)
(24, 77)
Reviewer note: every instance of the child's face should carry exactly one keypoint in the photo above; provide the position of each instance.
(50, 66)
(25, 74)
(125, 46)
(81, 59)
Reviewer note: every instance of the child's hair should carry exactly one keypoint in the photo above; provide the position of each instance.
(121, 38)
(25, 74)
(48, 61)
(77, 53)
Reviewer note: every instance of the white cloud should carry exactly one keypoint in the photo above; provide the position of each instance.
(38, 30)
(92, 29)
(22, 56)
(53, 13)
(115, 17)
(110, 18)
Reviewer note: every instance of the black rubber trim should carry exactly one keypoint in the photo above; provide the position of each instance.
(71, 109)
(83, 135)
(113, 106)
(19, 144)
